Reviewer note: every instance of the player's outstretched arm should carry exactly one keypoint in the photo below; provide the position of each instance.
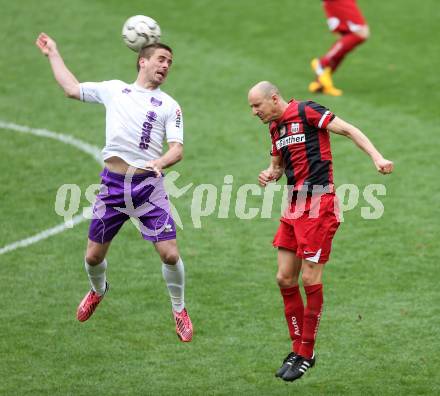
(171, 157)
(62, 74)
(273, 173)
(341, 127)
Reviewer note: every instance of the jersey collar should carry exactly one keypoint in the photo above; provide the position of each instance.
(139, 88)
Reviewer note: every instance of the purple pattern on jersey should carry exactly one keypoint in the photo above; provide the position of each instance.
(126, 90)
(147, 127)
(155, 102)
(151, 116)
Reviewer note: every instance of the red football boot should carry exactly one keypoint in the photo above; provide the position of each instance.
(184, 328)
(89, 304)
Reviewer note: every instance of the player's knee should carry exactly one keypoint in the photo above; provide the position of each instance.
(363, 33)
(285, 281)
(169, 257)
(309, 278)
(94, 258)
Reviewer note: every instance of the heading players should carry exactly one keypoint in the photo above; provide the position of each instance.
(301, 149)
(139, 116)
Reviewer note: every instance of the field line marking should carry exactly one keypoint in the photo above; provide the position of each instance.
(41, 235)
(87, 148)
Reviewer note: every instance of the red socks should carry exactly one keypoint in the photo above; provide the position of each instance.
(303, 323)
(294, 312)
(341, 48)
(312, 315)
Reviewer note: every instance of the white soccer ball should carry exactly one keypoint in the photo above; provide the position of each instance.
(139, 31)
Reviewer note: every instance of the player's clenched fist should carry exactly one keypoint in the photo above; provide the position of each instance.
(265, 177)
(45, 44)
(384, 166)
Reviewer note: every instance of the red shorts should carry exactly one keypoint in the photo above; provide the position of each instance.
(343, 16)
(308, 228)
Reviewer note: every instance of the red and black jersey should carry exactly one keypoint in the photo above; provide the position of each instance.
(300, 137)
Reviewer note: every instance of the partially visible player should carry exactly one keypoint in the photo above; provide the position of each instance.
(139, 117)
(301, 150)
(346, 20)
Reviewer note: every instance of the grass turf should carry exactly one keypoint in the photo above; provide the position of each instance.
(380, 323)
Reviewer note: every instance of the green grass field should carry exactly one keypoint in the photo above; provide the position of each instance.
(380, 328)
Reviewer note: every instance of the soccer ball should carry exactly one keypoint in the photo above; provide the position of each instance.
(139, 31)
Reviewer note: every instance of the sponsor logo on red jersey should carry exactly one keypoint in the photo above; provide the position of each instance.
(288, 140)
(295, 127)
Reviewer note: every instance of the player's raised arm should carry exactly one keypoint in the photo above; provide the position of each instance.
(62, 74)
(273, 173)
(341, 127)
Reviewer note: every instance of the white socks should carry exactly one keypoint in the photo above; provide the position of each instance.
(174, 276)
(97, 277)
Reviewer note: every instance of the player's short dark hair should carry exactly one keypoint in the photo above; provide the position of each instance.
(149, 50)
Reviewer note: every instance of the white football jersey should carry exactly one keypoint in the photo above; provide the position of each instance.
(137, 120)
